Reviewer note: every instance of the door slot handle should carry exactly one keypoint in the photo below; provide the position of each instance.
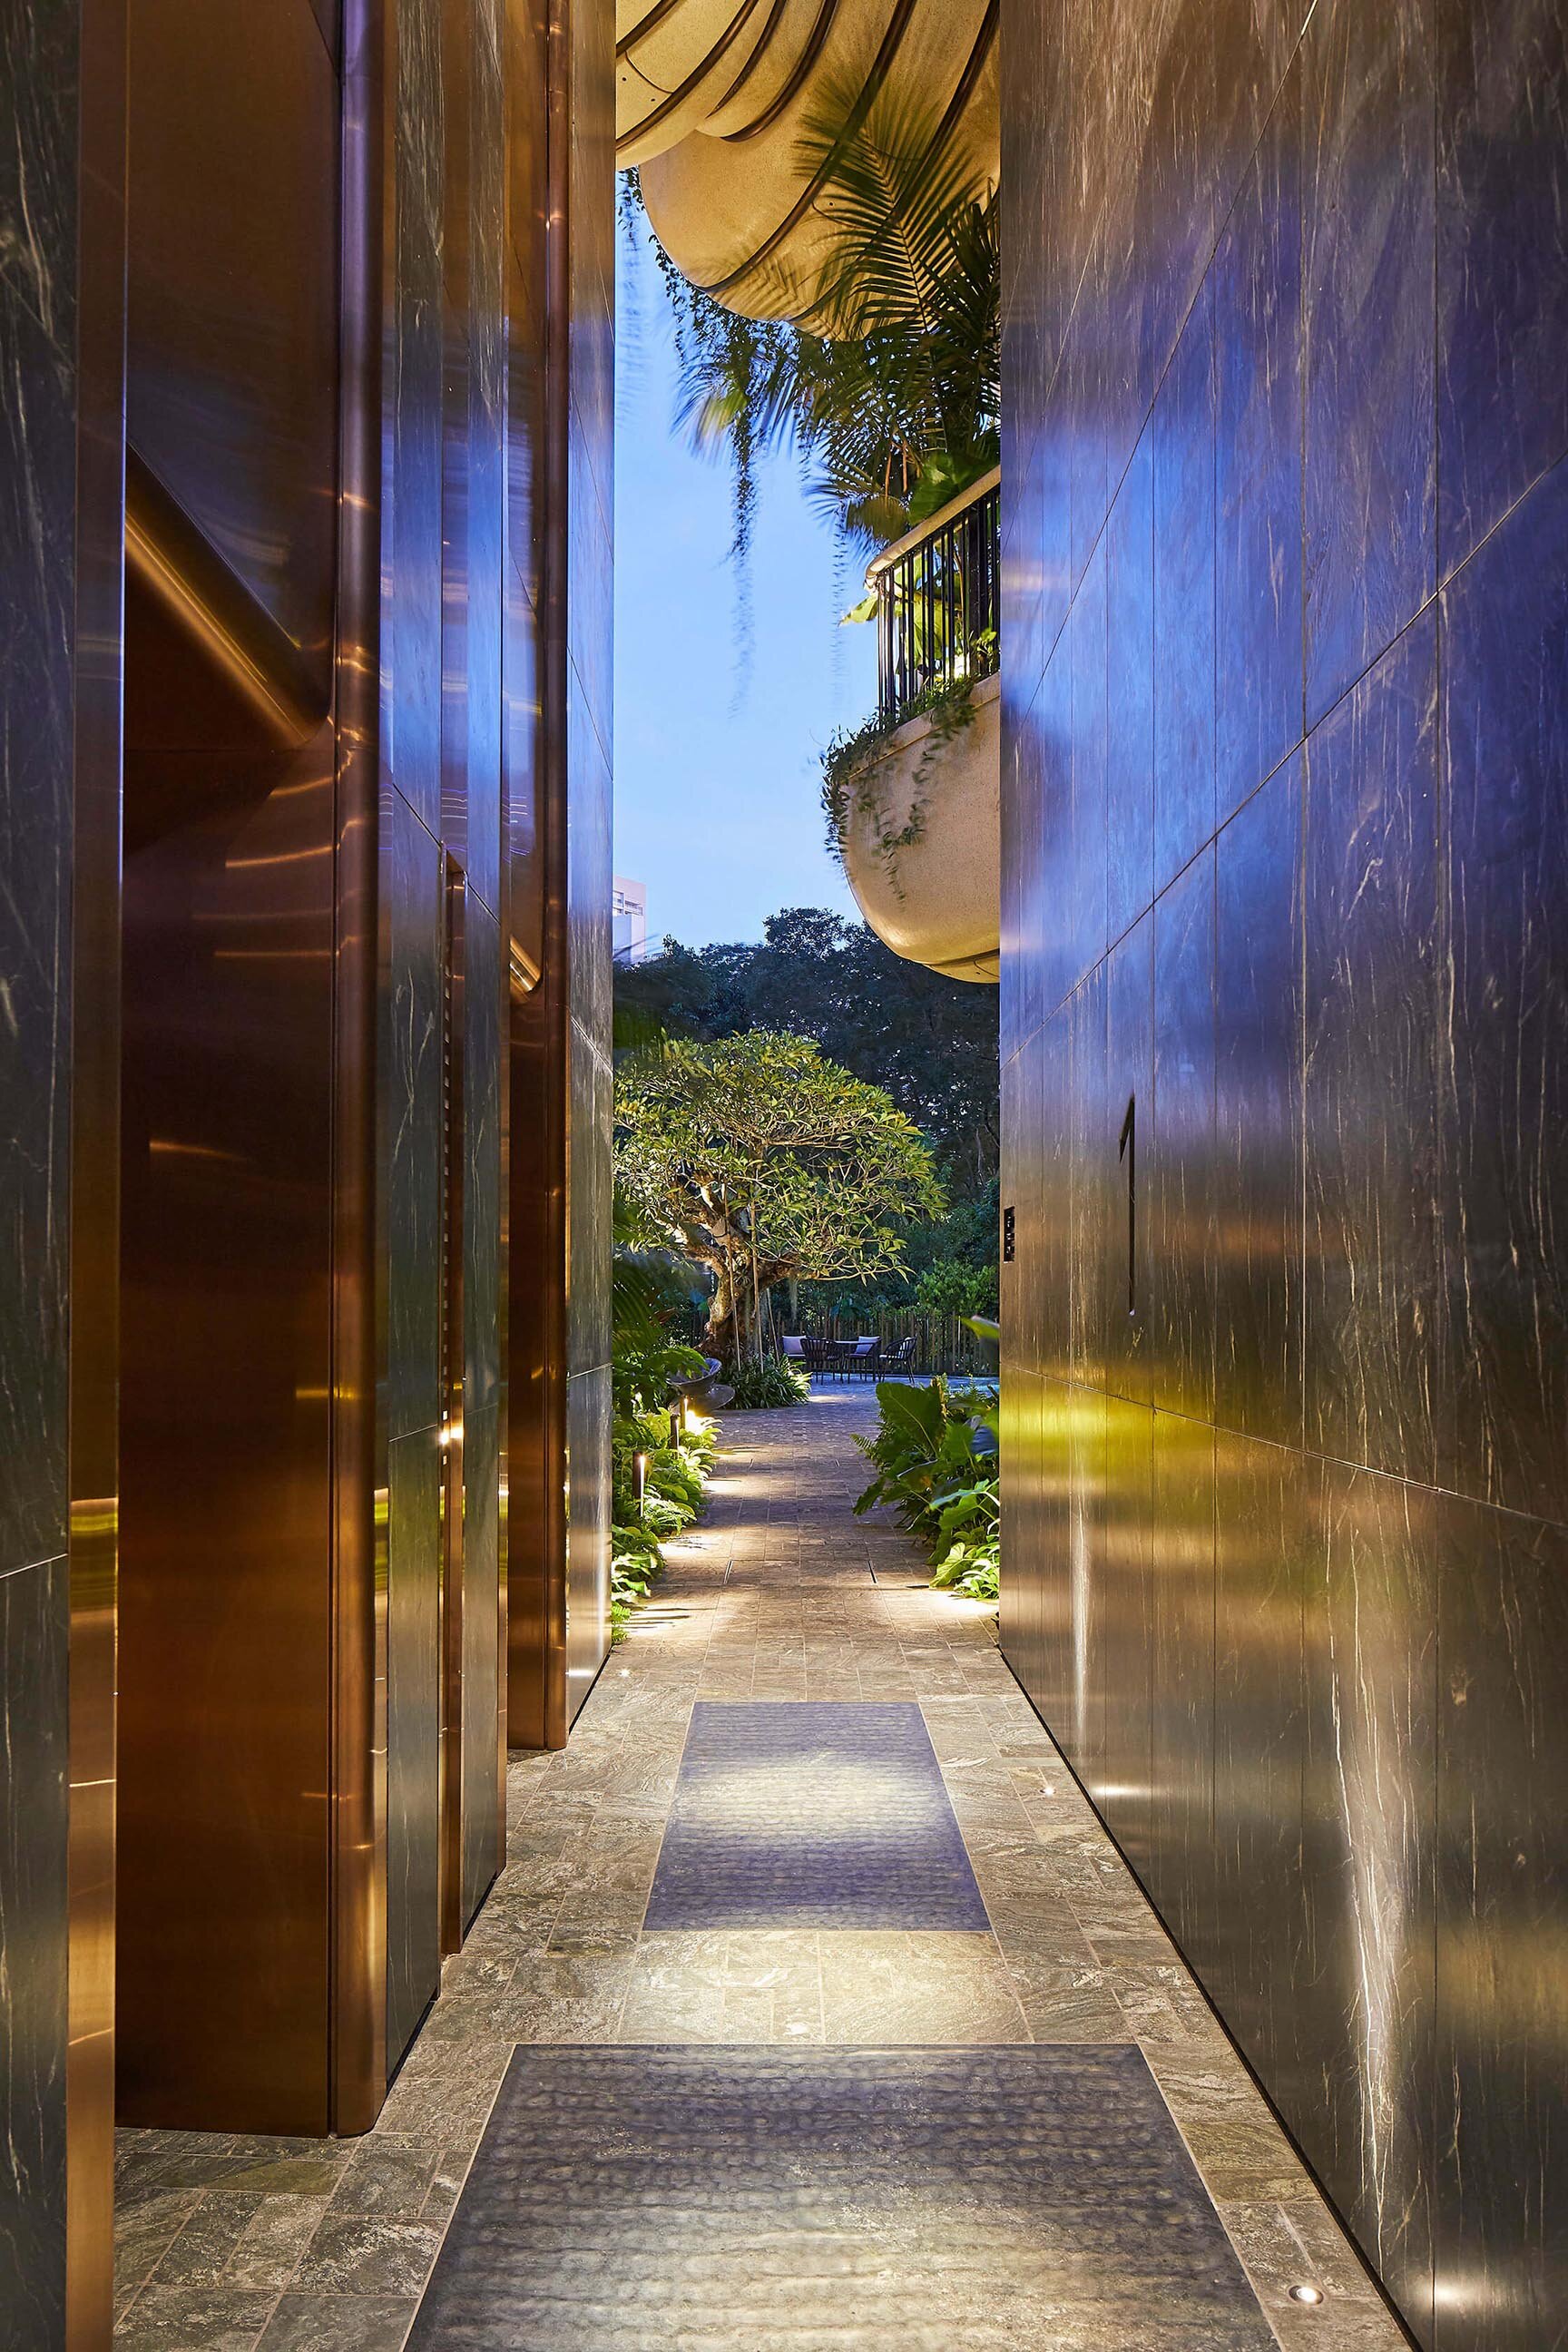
(1127, 1149)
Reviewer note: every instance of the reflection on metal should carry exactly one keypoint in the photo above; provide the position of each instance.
(451, 1440)
(712, 97)
(357, 1848)
(254, 665)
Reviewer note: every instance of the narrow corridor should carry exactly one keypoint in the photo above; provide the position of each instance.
(973, 2124)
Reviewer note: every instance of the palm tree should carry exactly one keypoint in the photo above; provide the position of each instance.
(890, 389)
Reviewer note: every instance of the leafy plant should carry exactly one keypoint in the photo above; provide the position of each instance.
(852, 764)
(675, 1480)
(936, 1458)
(762, 1160)
(770, 1383)
(889, 394)
(954, 1285)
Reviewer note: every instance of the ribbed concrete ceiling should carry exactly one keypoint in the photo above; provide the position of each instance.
(712, 97)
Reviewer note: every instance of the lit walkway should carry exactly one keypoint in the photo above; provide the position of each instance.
(780, 1596)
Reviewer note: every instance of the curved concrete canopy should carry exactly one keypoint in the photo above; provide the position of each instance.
(712, 95)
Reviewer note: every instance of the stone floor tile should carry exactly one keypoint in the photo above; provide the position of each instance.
(780, 1594)
(912, 1987)
(359, 2254)
(387, 2176)
(338, 2322)
(195, 2320)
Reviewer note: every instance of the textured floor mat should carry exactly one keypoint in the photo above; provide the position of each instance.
(890, 2200)
(795, 1814)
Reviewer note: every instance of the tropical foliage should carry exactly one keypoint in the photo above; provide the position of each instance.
(770, 1382)
(934, 1454)
(890, 392)
(760, 1160)
(673, 1483)
(928, 1042)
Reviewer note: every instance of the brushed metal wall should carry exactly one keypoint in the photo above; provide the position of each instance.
(559, 841)
(1286, 707)
(338, 392)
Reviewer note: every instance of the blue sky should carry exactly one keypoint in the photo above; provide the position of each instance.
(717, 810)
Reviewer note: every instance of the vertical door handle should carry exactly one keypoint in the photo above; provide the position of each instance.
(1127, 1150)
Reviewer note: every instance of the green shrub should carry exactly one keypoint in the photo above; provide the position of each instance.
(771, 1383)
(935, 1458)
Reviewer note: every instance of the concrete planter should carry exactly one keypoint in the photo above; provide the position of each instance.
(936, 900)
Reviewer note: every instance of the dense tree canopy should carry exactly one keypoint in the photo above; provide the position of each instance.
(765, 1162)
(930, 1042)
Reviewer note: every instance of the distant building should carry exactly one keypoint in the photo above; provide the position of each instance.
(628, 906)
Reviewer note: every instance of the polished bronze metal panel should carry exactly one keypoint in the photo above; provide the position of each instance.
(358, 1918)
(227, 1629)
(234, 294)
(453, 1366)
(231, 959)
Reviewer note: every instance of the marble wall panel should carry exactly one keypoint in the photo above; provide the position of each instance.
(1023, 556)
(1126, 1268)
(411, 1115)
(1082, 895)
(38, 221)
(1174, 53)
(1299, 276)
(1182, 1863)
(413, 1734)
(1018, 1435)
(1257, 1114)
(588, 1535)
(1501, 2280)
(1081, 406)
(1019, 829)
(1265, 1522)
(33, 1698)
(1051, 931)
(1258, 448)
(1052, 1318)
(484, 984)
(1502, 259)
(1504, 724)
(1091, 1176)
(1122, 1658)
(487, 467)
(1367, 295)
(1374, 1310)
(1363, 1991)
(1084, 1460)
(1129, 674)
(1179, 1153)
(411, 716)
(481, 1654)
(1049, 1554)
(1184, 452)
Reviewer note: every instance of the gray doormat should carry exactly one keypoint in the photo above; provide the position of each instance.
(1036, 2199)
(812, 1813)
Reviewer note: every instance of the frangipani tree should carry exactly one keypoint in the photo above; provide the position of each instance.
(762, 1162)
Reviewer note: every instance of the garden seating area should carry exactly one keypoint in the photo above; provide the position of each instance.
(847, 1360)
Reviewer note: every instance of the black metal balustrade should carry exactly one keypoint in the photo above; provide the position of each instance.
(938, 604)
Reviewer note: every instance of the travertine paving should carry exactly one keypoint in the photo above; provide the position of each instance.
(781, 1594)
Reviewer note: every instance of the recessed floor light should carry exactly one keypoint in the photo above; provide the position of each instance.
(1306, 2294)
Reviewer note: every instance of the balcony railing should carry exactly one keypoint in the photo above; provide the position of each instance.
(938, 595)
